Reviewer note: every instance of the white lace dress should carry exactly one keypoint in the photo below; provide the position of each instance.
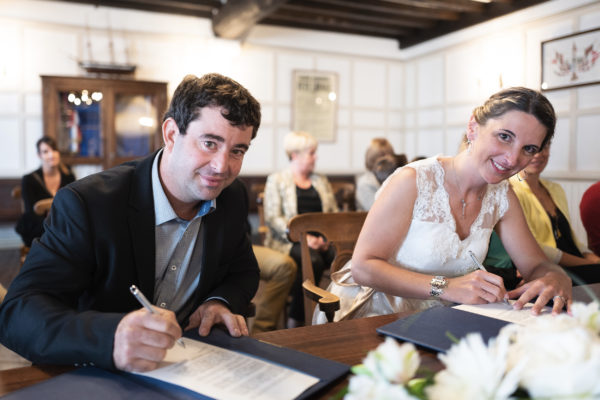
(431, 246)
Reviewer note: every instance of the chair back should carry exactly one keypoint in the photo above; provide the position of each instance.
(41, 207)
(341, 230)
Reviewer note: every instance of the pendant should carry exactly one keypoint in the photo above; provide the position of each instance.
(464, 204)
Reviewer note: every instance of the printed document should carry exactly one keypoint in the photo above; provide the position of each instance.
(504, 312)
(226, 374)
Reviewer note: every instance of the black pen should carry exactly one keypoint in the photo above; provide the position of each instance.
(481, 267)
(137, 293)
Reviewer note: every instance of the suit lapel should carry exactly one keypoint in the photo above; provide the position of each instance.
(141, 224)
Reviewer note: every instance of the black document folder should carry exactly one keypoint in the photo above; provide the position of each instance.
(436, 328)
(96, 384)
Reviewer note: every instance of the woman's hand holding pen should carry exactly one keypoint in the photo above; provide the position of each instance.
(142, 339)
(477, 287)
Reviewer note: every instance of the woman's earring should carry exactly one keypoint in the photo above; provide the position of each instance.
(469, 144)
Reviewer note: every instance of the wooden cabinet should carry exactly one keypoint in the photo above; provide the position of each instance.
(103, 121)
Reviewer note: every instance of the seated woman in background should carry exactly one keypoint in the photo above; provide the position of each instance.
(367, 183)
(546, 210)
(42, 183)
(296, 190)
(413, 250)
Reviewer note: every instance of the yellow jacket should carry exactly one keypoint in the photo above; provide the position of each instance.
(538, 219)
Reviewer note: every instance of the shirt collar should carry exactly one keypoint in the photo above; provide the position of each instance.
(163, 211)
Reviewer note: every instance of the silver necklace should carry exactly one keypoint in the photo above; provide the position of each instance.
(462, 200)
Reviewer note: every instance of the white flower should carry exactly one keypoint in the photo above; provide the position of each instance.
(561, 356)
(392, 362)
(364, 387)
(587, 314)
(475, 371)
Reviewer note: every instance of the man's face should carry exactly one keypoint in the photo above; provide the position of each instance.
(200, 164)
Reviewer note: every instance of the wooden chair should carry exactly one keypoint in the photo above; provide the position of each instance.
(258, 190)
(41, 207)
(341, 230)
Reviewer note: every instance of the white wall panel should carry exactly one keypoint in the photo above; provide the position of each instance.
(11, 59)
(286, 64)
(33, 104)
(396, 138)
(260, 85)
(588, 97)
(333, 155)
(10, 103)
(284, 116)
(461, 76)
(430, 81)
(410, 144)
(459, 115)
(588, 146)
(10, 154)
(260, 158)
(48, 52)
(430, 117)
(395, 86)
(395, 119)
(33, 131)
(453, 140)
(410, 119)
(410, 85)
(560, 99)
(589, 21)
(560, 150)
(343, 117)
(369, 83)
(266, 114)
(370, 119)
(430, 142)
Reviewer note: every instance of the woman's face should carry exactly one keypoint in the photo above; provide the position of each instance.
(305, 159)
(538, 162)
(50, 157)
(505, 145)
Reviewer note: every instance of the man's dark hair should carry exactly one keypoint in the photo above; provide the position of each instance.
(213, 90)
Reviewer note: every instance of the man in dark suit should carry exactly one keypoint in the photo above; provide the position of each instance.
(172, 223)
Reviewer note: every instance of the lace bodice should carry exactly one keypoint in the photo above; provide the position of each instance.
(432, 244)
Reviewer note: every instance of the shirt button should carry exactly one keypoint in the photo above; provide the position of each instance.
(163, 305)
(173, 267)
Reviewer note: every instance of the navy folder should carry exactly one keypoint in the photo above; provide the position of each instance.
(435, 328)
(94, 383)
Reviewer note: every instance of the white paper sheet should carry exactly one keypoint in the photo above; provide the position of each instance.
(225, 374)
(504, 312)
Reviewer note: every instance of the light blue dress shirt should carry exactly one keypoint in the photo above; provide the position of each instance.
(178, 255)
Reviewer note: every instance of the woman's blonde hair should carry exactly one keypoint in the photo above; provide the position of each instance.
(378, 147)
(297, 142)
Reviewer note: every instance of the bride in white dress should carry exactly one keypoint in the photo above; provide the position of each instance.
(413, 250)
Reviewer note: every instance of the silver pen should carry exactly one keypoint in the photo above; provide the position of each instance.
(481, 267)
(137, 293)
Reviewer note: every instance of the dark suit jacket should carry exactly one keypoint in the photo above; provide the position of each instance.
(66, 302)
(33, 189)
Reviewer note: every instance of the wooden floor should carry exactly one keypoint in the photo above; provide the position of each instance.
(9, 265)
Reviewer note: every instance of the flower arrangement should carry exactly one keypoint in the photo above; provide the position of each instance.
(556, 357)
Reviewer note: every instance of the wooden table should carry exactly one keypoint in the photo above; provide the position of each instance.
(347, 342)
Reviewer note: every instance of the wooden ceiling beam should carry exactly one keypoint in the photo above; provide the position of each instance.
(347, 16)
(335, 26)
(236, 17)
(379, 6)
(462, 6)
(182, 7)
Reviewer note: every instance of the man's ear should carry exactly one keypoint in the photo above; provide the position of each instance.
(472, 129)
(169, 132)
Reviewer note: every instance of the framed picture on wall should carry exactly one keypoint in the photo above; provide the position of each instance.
(572, 60)
(315, 103)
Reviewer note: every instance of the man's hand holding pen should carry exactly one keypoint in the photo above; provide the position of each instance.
(143, 338)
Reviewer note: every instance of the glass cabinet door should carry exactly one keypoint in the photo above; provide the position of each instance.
(79, 125)
(135, 125)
